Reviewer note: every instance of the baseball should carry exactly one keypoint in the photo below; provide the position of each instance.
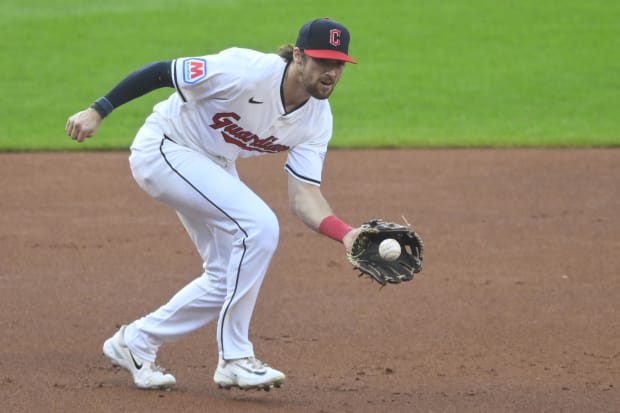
(389, 249)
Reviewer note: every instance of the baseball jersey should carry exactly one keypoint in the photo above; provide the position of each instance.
(230, 105)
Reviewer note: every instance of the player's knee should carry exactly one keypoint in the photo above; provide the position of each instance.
(143, 175)
(264, 231)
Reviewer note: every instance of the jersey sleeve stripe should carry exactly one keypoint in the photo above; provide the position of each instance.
(291, 171)
(174, 80)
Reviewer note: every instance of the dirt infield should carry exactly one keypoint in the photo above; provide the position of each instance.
(517, 309)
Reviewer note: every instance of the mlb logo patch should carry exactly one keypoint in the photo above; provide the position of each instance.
(194, 70)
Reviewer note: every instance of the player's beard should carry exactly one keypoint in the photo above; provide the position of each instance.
(320, 88)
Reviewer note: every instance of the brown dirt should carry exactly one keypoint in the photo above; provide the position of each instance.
(517, 309)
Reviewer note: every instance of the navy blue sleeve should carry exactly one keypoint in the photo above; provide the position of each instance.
(140, 82)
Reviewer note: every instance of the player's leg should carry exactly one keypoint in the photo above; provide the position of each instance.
(212, 197)
(242, 371)
(199, 302)
(196, 304)
(206, 193)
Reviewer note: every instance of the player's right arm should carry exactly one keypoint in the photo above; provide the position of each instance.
(309, 205)
(153, 76)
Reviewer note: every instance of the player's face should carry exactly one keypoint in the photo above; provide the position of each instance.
(320, 76)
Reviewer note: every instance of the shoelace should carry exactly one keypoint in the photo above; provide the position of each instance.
(157, 369)
(255, 363)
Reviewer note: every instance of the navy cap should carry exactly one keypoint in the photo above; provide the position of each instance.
(325, 39)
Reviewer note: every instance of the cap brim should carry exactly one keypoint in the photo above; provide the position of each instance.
(329, 54)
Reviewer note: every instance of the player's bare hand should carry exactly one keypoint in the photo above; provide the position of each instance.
(83, 124)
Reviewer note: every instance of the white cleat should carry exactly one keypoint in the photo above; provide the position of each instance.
(146, 375)
(247, 373)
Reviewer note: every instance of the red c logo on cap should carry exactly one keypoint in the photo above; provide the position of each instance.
(334, 37)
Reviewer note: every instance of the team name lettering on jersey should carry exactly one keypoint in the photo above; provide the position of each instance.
(194, 70)
(235, 134)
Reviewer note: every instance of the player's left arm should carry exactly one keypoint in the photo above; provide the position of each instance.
(307, 202)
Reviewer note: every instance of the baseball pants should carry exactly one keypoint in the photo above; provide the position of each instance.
(234, 231)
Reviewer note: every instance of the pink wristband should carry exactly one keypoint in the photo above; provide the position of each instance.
(334, 228)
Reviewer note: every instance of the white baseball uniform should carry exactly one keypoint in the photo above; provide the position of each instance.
(225, 106)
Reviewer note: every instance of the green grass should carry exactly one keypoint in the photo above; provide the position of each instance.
(432, 74)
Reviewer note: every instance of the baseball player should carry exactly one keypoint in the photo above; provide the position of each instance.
(236, 103)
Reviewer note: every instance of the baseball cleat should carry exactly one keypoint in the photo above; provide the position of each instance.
(146, 375)
(247, 373)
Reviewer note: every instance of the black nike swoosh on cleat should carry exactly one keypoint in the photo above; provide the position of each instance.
(135, 363)
(257, 372)
(256, 102)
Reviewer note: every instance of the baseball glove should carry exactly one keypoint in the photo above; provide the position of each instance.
(364, 254)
